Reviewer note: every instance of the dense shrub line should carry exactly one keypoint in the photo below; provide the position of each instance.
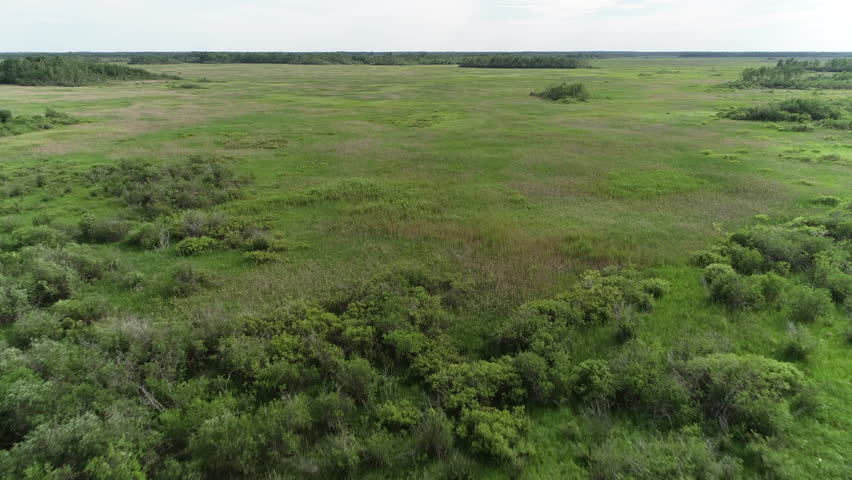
(67, 71)
(832, 114)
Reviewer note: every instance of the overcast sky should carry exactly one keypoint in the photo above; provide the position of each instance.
(437, 25)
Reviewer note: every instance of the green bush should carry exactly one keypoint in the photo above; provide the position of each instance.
(808, 304)
(772, 287)
(39, 235)
(398, 415)
(499, 433)
(13, 300)
(194, 246)
(358, 379)
(747, 393)
(149, 236)
(593, 382)
(5, 116)
(47, 282)
(536, 374)
(433, 436)
(187, 280)
(728, 288)
(565, 93)
(87, 310)
(745, 260)
(260, 258)
(655, 287)
(103, 230)
(799, 344)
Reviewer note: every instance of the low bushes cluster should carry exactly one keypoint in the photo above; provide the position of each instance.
(20, 124)
(802, 110)
(197, 182)
(802, 267)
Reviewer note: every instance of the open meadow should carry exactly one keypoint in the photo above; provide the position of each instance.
(471, 202)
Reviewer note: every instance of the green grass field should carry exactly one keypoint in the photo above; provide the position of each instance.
(460, 171)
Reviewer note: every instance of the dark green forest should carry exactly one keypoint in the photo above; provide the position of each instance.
(66, 71)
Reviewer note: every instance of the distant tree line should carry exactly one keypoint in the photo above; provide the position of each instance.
(66, 71)
(477, 60)
(519, 61)
(765, 54)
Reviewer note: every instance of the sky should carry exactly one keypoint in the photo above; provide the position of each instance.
(433, 25)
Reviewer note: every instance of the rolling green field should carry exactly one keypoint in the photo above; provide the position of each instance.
(460, 173)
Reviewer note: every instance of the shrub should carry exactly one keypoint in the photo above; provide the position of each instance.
(149, 236)
(260, 258)
(655, 287)
(467, 384)
(808, 304)
(87, 310)
(745, 260)
(748, 393)
(357, 378)
(187, 280)
(772, 286)
(593, 382)
(645, 383)
(47, 282)
(705, 258)
(565, 93)
(398, 415)
(728, 288)
(13, 300)
(194, 245)
(38, 235)
(433, 436)
(625, 330)
(499, 433)
(799, 343)
(103, 230)
(827, 200)
(5, 116)
(535, 374)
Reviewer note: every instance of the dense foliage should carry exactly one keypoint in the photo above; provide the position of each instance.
(66, 71)
(374, 381)
(20, 124)
(799, 74)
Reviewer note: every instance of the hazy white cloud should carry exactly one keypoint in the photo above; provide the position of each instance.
(384, 25)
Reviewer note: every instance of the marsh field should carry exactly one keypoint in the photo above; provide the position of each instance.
(250, 324)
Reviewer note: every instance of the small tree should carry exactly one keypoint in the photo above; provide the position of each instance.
(5, 116)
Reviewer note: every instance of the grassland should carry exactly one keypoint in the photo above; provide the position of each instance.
(460, 171)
